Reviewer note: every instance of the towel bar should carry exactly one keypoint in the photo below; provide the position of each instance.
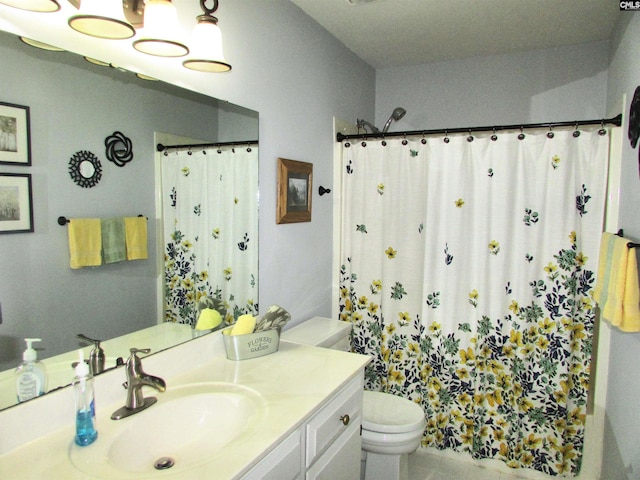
(629, 244)
(64, 220)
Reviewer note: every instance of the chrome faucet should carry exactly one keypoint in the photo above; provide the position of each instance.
(96, 356)
(136, 379)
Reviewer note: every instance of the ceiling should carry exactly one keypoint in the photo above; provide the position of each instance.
(388, 33)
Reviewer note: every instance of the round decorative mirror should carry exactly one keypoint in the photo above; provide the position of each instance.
(85, 169)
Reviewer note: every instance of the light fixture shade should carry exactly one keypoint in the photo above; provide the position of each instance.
(41, 45)
(206, 47)
(102, 19)
(33, 5)
(160, 23)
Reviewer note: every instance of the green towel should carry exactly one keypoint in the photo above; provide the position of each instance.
(113, 240)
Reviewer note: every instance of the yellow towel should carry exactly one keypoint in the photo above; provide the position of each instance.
(617, 290)
(85, 242)
(136, 237)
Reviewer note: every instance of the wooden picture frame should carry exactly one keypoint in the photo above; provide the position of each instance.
(16, 203)
(294, 191)
(15, 135)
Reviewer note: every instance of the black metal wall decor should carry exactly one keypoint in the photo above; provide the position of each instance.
(634, 121)
(85, 169)
(119, 149)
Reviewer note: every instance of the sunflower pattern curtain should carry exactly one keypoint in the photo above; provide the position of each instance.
(210, 209)
(467, 271)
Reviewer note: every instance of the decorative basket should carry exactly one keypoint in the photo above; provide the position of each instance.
(251, 345)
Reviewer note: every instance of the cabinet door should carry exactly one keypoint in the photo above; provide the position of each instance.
(341, 461)
(333, 419)
(283, 463)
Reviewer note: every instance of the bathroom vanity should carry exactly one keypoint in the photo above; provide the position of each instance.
(293, 414)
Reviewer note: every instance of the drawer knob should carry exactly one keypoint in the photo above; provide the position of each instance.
(345, 419)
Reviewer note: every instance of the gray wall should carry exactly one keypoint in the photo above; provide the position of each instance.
(621, 446)
(559, 84)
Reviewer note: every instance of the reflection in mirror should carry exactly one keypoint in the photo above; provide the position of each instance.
(75, 105)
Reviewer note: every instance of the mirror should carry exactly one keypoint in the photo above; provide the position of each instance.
(75, 106)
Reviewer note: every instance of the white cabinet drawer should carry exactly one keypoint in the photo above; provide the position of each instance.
(341, 412)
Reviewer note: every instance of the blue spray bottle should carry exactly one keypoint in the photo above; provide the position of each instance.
(86, 432)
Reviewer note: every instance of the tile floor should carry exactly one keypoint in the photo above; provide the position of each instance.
(425, 465)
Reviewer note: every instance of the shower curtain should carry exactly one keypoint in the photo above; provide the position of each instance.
(210, 209)
(467, 266)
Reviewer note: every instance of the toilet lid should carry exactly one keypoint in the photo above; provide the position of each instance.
(386, 413)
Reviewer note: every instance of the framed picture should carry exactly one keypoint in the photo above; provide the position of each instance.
(16, 205)
(294, 191)
(15, 142)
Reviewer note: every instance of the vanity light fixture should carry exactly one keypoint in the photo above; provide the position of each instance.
(33, 5)
(157, 37)
(206, 40)
(102, 19)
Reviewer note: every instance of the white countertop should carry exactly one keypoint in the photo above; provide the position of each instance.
(291, 384)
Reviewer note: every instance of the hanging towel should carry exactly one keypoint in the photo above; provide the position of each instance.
(113, 240)
(85, 242)
(617, 289)
(136, 237)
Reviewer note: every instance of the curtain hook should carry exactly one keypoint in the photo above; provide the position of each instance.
(470, 137)
(602, 130)
(550, 133)
(576, 132)
(522, 135)
(494, 137)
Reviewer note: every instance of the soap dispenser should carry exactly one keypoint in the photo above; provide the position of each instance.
(86, 432)
(31, 375)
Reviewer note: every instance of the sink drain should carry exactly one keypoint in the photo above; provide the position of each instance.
(164, 463)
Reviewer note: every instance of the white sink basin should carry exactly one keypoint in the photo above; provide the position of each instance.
(184, 429)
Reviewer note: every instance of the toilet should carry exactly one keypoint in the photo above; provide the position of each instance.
(392, 426)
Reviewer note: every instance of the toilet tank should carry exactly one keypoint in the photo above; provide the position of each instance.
(321, 332)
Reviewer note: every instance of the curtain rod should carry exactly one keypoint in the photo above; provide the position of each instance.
(617, 121)
(160, 147)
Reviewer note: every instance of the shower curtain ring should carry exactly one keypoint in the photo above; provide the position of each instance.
(522, 135)
(248, 147)
(404, 140)
(189, 152)
(446, 137)
(470, 137)
(424, 140)
(602, 130)
(550, 133)
(494, 137)
(576, 132)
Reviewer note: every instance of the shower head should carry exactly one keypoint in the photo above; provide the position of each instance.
(397, 114)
